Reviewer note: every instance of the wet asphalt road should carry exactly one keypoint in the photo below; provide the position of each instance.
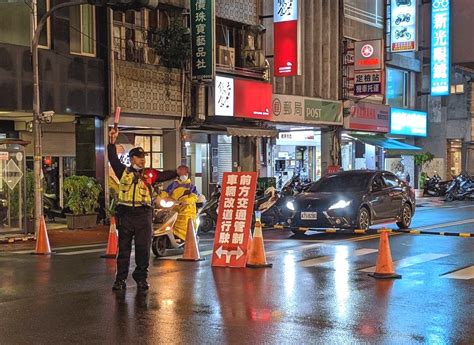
(317, 292)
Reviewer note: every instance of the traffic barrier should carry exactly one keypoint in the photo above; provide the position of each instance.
(375, 231)
(256, 256)
(384, 267)
(112, 244)
(42, 241)
(191, 249)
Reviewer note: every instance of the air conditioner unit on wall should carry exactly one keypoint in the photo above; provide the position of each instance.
(226, 56)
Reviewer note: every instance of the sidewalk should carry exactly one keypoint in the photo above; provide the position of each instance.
(59, 236)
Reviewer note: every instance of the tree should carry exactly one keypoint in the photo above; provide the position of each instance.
(420, 161)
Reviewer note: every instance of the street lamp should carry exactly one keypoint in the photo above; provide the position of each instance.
(38, 117)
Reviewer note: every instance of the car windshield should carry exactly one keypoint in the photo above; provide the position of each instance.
(342, 183)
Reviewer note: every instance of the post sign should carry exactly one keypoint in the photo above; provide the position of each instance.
(243, 98)
(285, 18)
(368, 83)
(440, 47)
(403, 32)
(408, 122)
(298, 109)
(202, 33)
(234, 219)
(368, 55)
(369, 117)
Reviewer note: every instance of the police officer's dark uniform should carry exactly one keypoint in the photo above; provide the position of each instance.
(134, 217)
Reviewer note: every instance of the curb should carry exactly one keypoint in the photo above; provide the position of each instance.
(9, 240)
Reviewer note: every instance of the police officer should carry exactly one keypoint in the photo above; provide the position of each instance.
(134, 213)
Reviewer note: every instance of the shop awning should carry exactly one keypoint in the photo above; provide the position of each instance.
(251, 132)
(385, 143)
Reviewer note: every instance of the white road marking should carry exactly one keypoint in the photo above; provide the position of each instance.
(437, 226)
(325, 259)
(410, 261)
(64, 248)
(82, 252)
(174, 257)
(464, 274)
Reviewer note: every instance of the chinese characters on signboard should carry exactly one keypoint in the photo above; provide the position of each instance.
(202, 29)
(300, 109)
(369, 117)
(224, 98)
(234, 219)
(403, 33)
(286, 41)
(440, 47)
(367, 83)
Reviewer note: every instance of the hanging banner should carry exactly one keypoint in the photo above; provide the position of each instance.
(202, 34)
(403, 33)
(440, 48)
(234, 219)
(286, 40)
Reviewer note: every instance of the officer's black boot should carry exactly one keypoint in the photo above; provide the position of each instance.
(119, 285)
(143, 285)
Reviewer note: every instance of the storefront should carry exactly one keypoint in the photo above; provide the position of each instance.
(302, 140)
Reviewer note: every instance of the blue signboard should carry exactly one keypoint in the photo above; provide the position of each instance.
(440, 47)
(408, 122)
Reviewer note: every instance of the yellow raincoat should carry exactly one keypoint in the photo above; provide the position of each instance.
(176, 191)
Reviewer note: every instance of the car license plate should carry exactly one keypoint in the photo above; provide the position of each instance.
(309, 215)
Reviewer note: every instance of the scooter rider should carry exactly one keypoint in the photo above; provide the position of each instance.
(186, 193)
(134, 213)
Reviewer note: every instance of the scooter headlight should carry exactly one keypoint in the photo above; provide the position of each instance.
(290, 205)
(166, 203)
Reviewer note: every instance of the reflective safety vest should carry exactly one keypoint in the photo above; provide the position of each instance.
(133, 191)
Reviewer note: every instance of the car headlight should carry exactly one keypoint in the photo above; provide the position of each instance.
(290, 205)
(340, 204)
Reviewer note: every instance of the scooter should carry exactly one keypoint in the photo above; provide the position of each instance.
(51, 207)
(164, 242)
(435, 187)
(460, 188)
(207, 216)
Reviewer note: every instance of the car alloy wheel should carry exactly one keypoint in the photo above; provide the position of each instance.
(405, 217)
(363, 220)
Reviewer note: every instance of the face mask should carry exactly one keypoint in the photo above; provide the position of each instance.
(136, 167)
(183, 178)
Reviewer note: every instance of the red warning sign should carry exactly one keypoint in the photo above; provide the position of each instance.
(234, 219)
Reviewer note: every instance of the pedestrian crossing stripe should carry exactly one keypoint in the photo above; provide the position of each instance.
(326, 259)
(410, 261)
(466, 273)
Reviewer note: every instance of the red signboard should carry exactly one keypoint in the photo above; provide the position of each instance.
(286, 48)
(332, 169)
(252, 99)
(234, 219)
(369, 117)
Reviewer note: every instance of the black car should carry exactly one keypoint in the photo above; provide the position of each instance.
(353, 199)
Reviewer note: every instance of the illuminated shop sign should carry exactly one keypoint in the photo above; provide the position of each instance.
(285, 19)
(440, 47)
(408, 122)
(403, 25)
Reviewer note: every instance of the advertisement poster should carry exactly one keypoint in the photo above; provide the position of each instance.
(369, 117)
(285, 18)
(408, 122)
(234, 219)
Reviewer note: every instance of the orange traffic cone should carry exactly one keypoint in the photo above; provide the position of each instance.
(256, 256)
(250, 241)
(191, 250)
(42, 240)
(384, 268)
(112, 245)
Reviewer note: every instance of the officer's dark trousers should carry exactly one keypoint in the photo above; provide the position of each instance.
(134, 224)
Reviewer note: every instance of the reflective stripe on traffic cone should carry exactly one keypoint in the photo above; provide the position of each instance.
(191, 250)
(256, 257)
(42, 241)
(384, 268)
(112, 244)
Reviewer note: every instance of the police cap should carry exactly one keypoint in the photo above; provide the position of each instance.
(137, 151)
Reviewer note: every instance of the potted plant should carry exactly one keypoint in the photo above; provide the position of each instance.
(81, 194)
(420, 161)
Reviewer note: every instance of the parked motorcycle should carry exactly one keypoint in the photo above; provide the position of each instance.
(403, 33)
(403, 2)
(435, 187)
(403, 18)
(51, 207)
(460, 188)
(207, 216)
